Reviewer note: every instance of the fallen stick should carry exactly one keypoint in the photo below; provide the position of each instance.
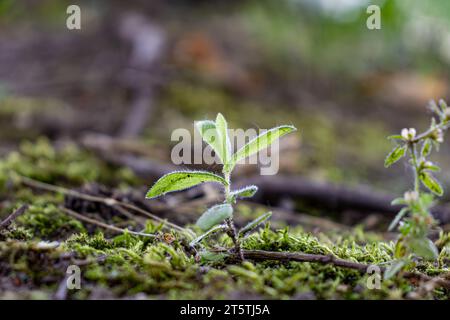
(331, 196)
(106, 201)
(336, 197)
(270, 188)
(261, 255)
(9, 219)
(103, 225)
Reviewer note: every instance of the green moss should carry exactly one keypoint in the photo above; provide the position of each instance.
(128, 265)
(42, 220)
(31, 265)
(47, 222)
(41, 161)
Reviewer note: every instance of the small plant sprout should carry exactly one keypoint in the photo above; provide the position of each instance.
(220, 217)
(415, 220)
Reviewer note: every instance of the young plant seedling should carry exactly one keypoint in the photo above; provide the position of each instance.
(415, 220)
(220, 217)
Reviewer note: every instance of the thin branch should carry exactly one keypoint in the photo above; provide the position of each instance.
(152, 216)
(7, 221)
(104, 225)
(271, 188)
(429, 132)
(261, 255)
(303, 257)
(423, 277)
(338, 197)
(106, 201)
(126, 213)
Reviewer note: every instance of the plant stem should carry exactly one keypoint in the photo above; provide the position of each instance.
(412, 148)
(443, 126)
(232, 232)
(227, 178)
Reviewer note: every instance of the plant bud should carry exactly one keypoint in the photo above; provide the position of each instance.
(428, 164)
(408, 134)
(447, 114)
(438, 135)
(405, 134)
(411, 196)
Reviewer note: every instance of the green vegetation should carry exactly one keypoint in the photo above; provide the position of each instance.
(215, 133)
(167, 267)
(415, 227)
(262, 63)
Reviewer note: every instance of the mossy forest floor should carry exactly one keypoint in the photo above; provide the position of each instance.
(39, 246)
(261, 63)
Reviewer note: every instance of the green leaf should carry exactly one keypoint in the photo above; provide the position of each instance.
(204, 127)
(433, 106)
(214, 216)
(424, 248)
(216, 135)
(437, 145)
(258, 143)
(398, 201)
(224, 139)
(208, 131)
(255, 223)
(246, 192)
(395, 137)
(426, 148)
(397, 218)
(426, 200)
(433, 168)
(431, 183)
(395, 155)
(206, 234)
(442, 104)
(180, 180)
(399, 247)
(393, 268)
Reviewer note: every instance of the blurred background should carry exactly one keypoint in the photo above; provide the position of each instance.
(139, 69)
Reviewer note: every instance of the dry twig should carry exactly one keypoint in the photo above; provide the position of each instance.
(104, 225)
(7, 221)
(271, 188)
(261, 255)
(106, 201)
